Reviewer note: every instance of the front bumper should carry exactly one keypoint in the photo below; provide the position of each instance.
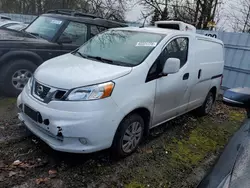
(93, 121)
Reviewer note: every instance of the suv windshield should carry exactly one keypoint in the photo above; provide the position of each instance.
(120, 47)
(45, 27)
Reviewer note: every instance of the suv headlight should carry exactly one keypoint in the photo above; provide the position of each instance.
(93, 92)
(30, 82)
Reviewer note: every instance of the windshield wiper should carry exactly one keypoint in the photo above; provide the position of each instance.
(31, 34)
(109, 61)
(101, 59)
(80, 54)
(104, 60)
(35, 34)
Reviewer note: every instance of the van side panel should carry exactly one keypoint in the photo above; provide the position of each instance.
(210, 59)
(209, 65)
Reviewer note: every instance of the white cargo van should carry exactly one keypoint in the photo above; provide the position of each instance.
(120, 84)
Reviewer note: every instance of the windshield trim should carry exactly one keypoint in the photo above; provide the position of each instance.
(125, 63)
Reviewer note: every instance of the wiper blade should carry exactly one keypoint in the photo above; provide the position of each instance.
(80, 54)
(32, 34)
(101, 59)
(37, 35)
(109, 61)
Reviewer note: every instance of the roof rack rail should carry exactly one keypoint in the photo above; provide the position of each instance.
(2, 17)
(71, 13)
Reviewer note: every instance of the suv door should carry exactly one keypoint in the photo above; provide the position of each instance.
(171, 90)
(76, 34)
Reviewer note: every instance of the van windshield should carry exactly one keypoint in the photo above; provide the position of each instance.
(120, 47)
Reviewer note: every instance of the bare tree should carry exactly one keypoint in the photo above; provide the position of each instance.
(239, 15)
(196, 12)
(112, 9)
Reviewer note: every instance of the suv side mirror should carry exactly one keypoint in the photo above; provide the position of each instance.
(238, 97)
(171, 66)
(64, 39)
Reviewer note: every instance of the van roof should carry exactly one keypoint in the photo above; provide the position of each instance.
(149, 30)
(167, 32)
(211, 39)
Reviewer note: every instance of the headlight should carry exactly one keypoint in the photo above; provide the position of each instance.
(30, 82)
(94, 92)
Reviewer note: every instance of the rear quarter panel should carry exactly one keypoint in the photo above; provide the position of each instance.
(209, 57)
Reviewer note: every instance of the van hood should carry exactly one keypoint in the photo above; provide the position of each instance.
(70, 71)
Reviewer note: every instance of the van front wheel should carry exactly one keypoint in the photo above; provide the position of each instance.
(207, 106)
(128, 136)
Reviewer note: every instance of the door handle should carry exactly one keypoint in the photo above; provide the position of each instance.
(199, 74)
(186, 76)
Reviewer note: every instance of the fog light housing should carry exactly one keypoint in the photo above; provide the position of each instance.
(20, 107)
(83, 141)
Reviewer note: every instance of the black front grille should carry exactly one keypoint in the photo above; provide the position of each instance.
(41, 90)
(31, 113)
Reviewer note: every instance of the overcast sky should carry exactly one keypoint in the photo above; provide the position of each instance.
(134, 14)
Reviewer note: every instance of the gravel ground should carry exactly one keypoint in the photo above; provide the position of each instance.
(176, 154)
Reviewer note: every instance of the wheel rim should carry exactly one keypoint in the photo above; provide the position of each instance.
(132, 137)
(209, 104)
(20, 78)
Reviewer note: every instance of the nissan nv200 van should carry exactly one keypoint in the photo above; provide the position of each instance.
(117, 86)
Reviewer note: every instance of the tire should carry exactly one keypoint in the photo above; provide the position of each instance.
(119, 147)
(11, 71)
(207, 106)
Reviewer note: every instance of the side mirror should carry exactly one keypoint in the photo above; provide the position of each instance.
(64, 39)
(237, 97)
(171, 66)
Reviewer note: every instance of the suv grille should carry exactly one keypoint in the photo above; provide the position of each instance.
(40, 90)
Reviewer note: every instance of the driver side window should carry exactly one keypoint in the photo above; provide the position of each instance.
(76, 32)
(177, 48)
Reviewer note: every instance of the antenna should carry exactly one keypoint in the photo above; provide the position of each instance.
(145, 18)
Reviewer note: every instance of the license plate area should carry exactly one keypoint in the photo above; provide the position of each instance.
(34, 115)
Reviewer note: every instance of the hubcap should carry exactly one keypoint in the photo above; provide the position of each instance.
(132, 137)
(209, 103)
(20, 78)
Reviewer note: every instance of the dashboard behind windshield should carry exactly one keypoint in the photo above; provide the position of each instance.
(121, 47)
(45, 27)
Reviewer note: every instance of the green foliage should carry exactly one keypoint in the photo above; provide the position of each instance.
(202, 141)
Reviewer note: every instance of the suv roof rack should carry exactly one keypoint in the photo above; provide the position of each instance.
(74, 13)
(2, 17)
(71, 13)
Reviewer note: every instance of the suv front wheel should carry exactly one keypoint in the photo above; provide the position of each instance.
(15, 75)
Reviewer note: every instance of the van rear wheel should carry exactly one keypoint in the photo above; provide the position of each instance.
(207, 106)
(128, 136)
